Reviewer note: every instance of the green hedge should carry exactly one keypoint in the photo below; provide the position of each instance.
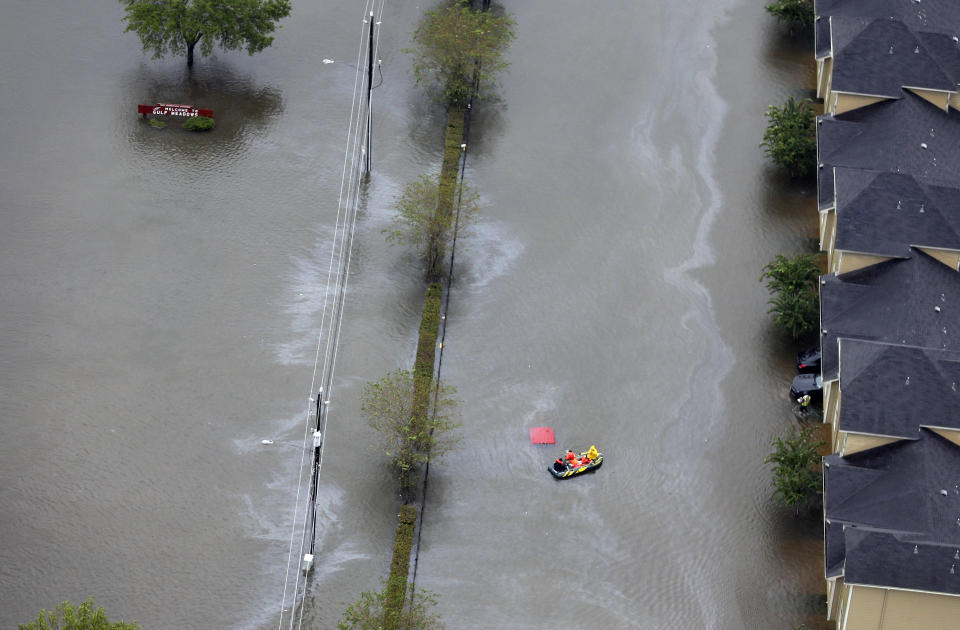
(399, 566)
(426, 349)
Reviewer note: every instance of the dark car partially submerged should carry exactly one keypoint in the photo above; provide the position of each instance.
(809, 360)
(807, 385)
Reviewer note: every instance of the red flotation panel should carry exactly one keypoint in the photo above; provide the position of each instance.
(542, 435)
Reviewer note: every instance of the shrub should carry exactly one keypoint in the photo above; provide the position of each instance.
(797, 13)
(156, 123)
(796, 300)
(198, 123)
(796, 472)
(791, 137)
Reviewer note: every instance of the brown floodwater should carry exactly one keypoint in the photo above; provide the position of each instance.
(162, 295)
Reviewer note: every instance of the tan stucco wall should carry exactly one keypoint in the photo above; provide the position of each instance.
(953, 436)
(949, 257)
(824, 74)
(870, 608)
(940, 99)
(831, 407)
(853, 442)
(828, 230)
(843, 102)
(849, 261)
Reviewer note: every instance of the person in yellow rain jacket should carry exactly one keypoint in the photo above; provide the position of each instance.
(592, 454)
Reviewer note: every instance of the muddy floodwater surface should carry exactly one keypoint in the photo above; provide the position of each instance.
(162, 292)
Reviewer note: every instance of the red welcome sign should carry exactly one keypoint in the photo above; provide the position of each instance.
(173, 109)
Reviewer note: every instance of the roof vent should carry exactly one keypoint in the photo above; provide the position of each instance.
(923, 145)
(921, 207)
(916, 50)
(898, 204)
(956, 554)
(943, 491)
(907, 382)
(916, 549)
(956, 39)
(891, 50)
(936, 308)
(953, 386)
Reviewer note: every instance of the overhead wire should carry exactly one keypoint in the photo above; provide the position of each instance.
(341, 243)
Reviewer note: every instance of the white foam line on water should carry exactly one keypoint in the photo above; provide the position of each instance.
(704, 402)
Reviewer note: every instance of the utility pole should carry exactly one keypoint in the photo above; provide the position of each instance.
(369, 93)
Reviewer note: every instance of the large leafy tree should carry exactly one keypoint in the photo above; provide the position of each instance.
(419, 223)
(456, 45)
(795, 301)
(796, 471)
(791, 137)
(408, 436)
(82, 617)
(177, 26)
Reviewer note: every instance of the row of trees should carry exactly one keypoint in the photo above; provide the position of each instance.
(790, 142)
(456, 49)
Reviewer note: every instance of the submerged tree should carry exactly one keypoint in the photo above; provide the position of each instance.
(796, 470)
(408, 436)
(796, 300)
(454, 44)
(82, 617)
(791, 137)
(796, 13)
(419, 223)
(369, 613)
(177, 26)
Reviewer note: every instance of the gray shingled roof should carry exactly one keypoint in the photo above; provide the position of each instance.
(907, 135)
(934, 16)
(892, 301)
(879, 56)
(891, 515)
(885, 213)
(891, 389)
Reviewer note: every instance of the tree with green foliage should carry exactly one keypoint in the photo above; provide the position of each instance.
(457, 46)
(796, 13)
(82, 617)
(408, 436)
(796, 471)
(177, 26)
(791, 137)
(419, 223)
(368, 613)
(796, 299)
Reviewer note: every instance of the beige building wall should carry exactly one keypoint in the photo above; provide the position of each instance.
(873, 608)
(828, 231)
(824, 77)
(951, 434)
(949, 257)
(851, 443)
(831, 410)
(851, 261)
(845, 102)
(940, 99)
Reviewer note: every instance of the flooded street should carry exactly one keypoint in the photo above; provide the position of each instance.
(162, 295)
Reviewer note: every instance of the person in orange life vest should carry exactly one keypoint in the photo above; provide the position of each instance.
(571, 457)
(559, 466)
(585, 461)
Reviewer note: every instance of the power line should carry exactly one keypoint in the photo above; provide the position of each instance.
(343, 236)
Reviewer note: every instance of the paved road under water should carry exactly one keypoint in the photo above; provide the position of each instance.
(161, 296)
